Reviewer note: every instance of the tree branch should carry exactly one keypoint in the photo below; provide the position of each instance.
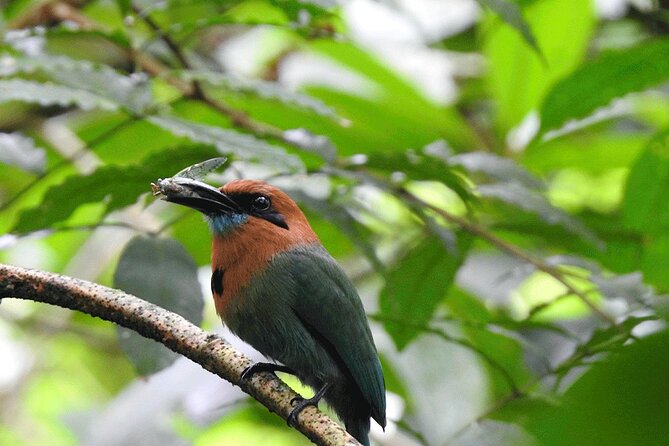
(209, 350)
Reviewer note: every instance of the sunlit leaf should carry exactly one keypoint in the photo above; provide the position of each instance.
(518, 77)
(159, 271)
(611, 75)
(511, 13)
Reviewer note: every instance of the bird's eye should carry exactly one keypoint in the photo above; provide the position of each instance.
(261, 203)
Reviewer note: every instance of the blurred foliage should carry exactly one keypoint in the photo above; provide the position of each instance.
(508, 235)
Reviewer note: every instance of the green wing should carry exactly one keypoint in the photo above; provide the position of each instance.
(329, 303)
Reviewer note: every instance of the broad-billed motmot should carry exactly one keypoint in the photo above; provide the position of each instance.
(278, 289)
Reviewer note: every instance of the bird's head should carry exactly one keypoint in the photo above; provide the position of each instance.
(237, 204)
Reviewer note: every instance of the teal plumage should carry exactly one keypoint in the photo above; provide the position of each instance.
(315, 324)
(277, 288)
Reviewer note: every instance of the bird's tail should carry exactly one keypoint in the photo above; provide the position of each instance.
(359, 428)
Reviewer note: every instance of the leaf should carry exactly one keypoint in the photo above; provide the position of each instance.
(243, 146)
(619, 402)
(307, 141)
(117, 186)
(419, 167)
(500, 168)
(131, 92)
(48, 94)
(511, 13)
(264, 89)
(611, 75)
(645, 206)
(159, 271)
(528, 200)
(517, 77)
(416, 286)
(19, 150)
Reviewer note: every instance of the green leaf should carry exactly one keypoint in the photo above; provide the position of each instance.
(611, 75)
(242, 146)
(416, 286)
(618, 402)
(19, 150)
(645, 206)
(495, 166)
(159, 271)
(116, 186)
(518, 195)
(48, 94)
(421, 168)
(518, 77)
(512, 15)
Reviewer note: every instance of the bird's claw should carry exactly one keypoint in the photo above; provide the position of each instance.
(259, 367)
(300, 405)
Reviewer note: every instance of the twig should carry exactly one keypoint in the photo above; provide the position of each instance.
(461, 342)
(210, 351)
(483, 233)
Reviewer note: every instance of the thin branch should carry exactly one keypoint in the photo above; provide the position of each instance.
(503, 245)
(210, 351)
(461, 342)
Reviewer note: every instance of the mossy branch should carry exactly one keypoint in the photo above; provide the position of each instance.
(212, 352)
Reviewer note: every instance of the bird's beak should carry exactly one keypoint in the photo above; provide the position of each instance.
(194, 194)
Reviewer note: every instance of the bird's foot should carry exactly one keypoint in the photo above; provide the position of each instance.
(301, 403)
(264, 367)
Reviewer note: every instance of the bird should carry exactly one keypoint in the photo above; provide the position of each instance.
(277, 288)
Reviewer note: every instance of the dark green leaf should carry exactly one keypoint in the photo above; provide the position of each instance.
(159, 271)
(495, 166)
(513, 15)
(621, 401)
(416, 286)
(645, 206)
(118, 186)
(611, 75)
(419, 167)
(529, 200)
(603, 340)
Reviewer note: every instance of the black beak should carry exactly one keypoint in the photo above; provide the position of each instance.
(194, 194)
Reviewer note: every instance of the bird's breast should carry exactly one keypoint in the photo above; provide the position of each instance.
(240, 256)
